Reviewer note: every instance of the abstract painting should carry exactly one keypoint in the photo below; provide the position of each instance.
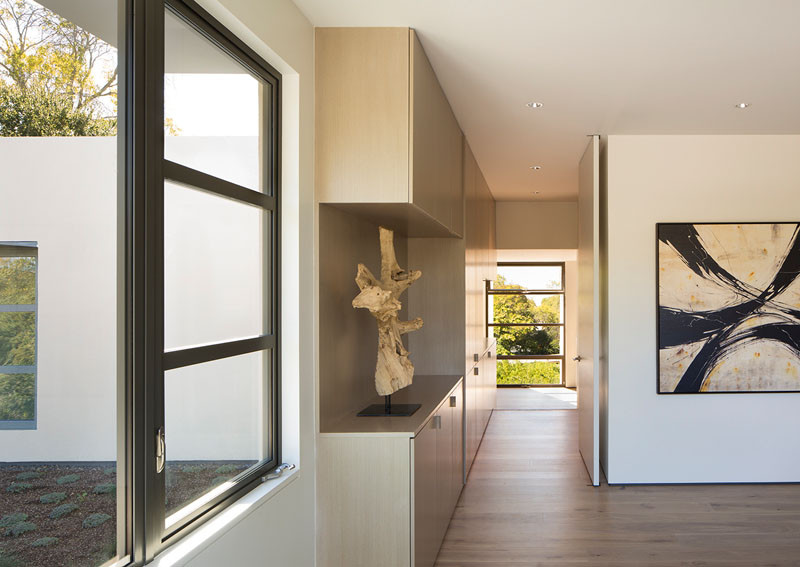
(728, 307)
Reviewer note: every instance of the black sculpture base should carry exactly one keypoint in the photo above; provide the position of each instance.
(387, 409)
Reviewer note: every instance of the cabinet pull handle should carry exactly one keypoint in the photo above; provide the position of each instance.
(475, 371)
(476, 357)
(453, 401)
(437, 421)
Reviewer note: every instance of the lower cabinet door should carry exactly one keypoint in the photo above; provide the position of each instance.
(426, 510)
(444, 470)
(457, 447)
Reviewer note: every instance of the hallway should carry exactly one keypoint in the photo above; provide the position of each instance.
(528, 502)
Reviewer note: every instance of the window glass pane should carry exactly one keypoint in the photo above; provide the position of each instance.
(17, 339)
(532, 308)
(528, 277)
(529, 372)
(529, 341)
(215, 427)
(58, 284)
(212, 268)
(211, 108)
(17, 280)
(17, 397)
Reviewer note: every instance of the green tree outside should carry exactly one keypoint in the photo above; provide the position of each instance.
(52, 81)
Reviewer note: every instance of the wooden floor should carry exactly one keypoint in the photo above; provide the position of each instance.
(528, 502)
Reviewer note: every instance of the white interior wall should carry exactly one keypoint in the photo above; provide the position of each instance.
(529, 225)
(689, 438)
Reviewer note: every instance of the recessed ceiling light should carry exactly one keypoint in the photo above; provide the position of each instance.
(534, 105)
(742, 105)
(536, 167)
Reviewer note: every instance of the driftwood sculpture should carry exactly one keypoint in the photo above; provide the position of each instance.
(393, 370)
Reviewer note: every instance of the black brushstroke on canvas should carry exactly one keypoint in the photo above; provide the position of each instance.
(719, 328)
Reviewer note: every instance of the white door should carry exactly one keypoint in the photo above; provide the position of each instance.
(589, 309)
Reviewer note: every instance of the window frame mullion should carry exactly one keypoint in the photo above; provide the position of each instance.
(144, 123)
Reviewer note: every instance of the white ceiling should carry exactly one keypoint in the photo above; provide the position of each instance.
(598, 66)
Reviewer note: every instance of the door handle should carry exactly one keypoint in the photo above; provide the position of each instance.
(578, 358)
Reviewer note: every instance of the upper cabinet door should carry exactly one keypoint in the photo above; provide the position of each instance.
(362, 98)
(388, 146)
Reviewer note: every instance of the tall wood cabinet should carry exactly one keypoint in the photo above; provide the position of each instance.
(388, 145)
(480, 267)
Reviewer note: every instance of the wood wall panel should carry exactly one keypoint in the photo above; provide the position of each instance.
(437, 297)
(436, 144)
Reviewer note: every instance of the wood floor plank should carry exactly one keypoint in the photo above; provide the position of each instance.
(528, 501)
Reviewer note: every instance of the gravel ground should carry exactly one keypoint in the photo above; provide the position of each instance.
(70, 510)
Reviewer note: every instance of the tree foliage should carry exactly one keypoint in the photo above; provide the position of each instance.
(528, 372)
(52, 81)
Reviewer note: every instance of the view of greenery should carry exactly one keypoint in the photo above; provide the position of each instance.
(515, 309)
(528, 372)
(56, 79)
(17, 337)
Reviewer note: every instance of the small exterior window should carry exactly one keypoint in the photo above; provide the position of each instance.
(18, 266)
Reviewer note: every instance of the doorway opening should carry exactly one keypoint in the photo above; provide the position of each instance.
(527, 308)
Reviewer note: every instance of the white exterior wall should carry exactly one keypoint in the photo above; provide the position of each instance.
(61, 193)
(689, 438)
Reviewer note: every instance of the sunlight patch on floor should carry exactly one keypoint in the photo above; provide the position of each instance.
(536, 399)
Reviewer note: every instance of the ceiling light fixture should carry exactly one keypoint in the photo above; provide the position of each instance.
(534, 105)
(536, 167)
(742, 105)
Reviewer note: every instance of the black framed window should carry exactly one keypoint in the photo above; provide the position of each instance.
(139, 333)
(204, 358)
(525, 314)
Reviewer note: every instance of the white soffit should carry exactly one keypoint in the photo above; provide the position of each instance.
(566, 255)
(606, 67)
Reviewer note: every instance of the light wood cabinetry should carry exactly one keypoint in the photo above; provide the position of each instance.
(388, 146)
(480, 266)
(387, 487)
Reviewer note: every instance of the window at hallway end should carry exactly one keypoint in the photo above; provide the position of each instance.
(525, 314)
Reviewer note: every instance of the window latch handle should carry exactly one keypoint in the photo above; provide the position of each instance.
(279, 470)
(161, 450)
